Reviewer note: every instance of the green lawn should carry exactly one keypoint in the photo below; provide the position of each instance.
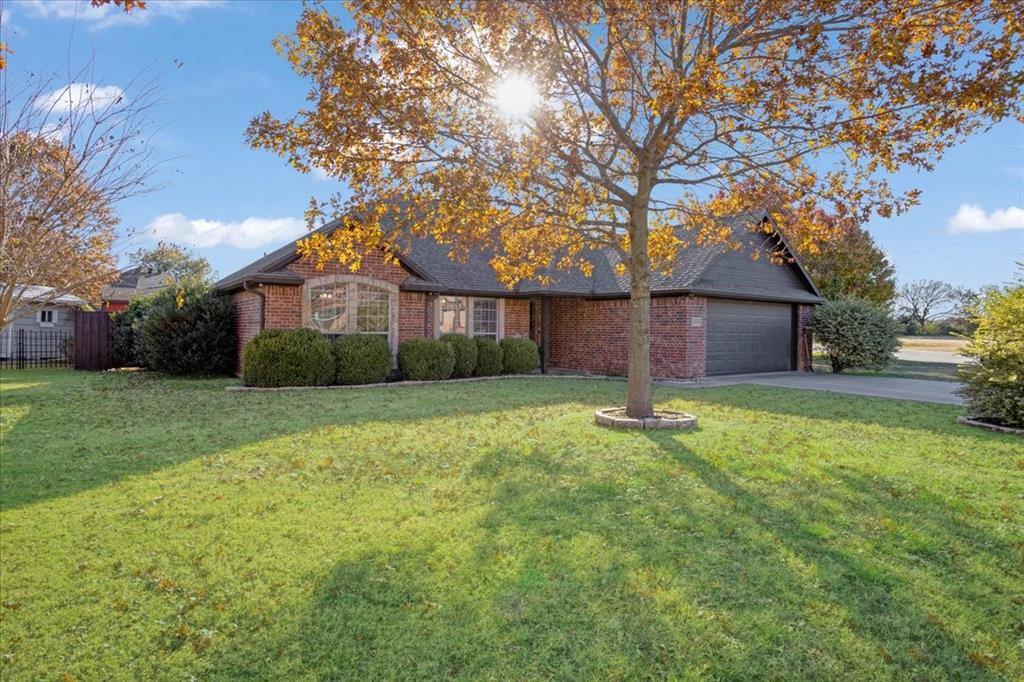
(904, 369)
(168, 529)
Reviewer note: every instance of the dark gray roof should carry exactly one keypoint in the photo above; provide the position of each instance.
(712, 270)
(128, 278)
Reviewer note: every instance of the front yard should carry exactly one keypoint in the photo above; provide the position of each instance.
(156, 528)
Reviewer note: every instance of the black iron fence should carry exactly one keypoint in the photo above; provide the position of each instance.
(23, 348)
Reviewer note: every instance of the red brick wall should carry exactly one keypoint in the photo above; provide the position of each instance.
(284, 306)
(517, 317)
(415, 315)
(592, 336)
(537, 303)
(695, 335)
(804, 339)
(247, 318)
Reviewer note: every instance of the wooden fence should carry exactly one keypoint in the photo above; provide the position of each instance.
(92, 340)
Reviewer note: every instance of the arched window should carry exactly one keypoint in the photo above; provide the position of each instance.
(351, 304)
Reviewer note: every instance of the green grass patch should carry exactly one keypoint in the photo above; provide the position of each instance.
(903, 369)
(158, 528)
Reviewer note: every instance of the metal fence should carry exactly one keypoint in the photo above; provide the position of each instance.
(23, 348)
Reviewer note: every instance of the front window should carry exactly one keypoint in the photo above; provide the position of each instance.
(469, 316)
(351, 304)
(452, 315)
(373, 312)
(485, 317)
(328, 308)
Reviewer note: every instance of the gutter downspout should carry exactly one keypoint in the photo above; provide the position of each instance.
(263, 302)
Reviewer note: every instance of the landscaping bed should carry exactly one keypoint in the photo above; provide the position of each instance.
(157, 528)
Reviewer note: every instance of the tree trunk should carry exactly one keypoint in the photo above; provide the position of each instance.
(638, 391)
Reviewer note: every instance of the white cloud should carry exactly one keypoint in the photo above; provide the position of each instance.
(111, 15)
(244, 234)
(972, 218)
(75, 95)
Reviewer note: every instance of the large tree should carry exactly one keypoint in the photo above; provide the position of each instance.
(177, 262)
(68, 154)
(925, 300)
(851, 264)
(545, 128)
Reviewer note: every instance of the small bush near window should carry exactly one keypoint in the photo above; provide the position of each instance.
(288, 357)
(994, 382)
(519, 355)
(361, 359)
(424, 359)
(855, 333)
(188, 331)
(488, 357)
(124, 332)
(465, 354)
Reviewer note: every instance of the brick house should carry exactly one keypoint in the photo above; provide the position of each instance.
(721, 311)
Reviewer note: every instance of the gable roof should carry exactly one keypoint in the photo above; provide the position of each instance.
(697, 270)
(133, 282)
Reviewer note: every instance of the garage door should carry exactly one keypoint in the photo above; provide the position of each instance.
(745, 336)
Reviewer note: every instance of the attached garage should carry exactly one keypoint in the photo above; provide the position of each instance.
(749, 336)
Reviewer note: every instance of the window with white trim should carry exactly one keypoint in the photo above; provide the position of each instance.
(485, 317)
(46, 317)
(373, 310)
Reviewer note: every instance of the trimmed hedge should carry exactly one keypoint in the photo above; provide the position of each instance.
(423, 359)
(855, 333)
(519, 355)
(465, 354)
(361, 359)
(288, 357)
(488, 357)
(188, 332)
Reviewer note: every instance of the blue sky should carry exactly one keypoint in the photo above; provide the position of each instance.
(233, 203)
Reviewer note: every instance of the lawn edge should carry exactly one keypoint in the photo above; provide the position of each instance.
(397, 384)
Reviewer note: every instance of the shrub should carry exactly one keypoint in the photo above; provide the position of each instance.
(855, 333)
(188, 332)
(488, 357)
(519, 355)
(465, 354)
(288, 357)
(361, 359)
(125, 349)
(424, 359)
(994, 381)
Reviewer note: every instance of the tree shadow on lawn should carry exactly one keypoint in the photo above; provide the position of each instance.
(72, 432)
(672, 570)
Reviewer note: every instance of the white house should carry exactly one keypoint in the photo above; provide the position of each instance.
(40, 332)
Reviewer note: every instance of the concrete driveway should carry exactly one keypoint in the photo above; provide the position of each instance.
(921, 390)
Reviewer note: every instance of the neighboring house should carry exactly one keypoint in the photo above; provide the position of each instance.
(132, 283)
(721, 311)
(41, 333)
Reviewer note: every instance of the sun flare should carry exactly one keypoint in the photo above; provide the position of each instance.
(515, 96)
